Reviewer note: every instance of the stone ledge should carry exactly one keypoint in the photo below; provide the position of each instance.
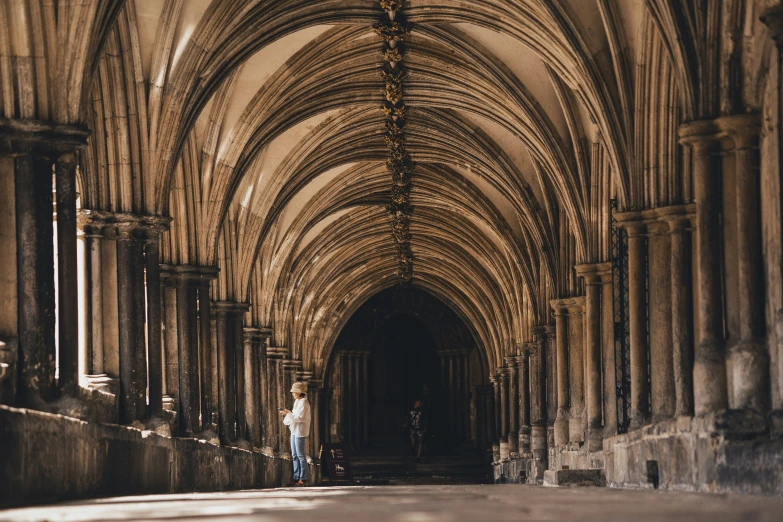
(574, 478)
(726, 452)
(46, 457)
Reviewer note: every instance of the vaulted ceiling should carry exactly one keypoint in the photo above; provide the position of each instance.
(257, 125)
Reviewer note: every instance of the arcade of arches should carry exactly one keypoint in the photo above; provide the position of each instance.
(558, 220)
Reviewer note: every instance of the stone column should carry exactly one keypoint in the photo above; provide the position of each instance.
(93, 237)
(524, 401)
(504, 405)
(252, 417)
(576, 370)
(513, 400)
(154, 322)
(188, 354)
(291, 368)
(130, 285)
(495, 380)
(538, 446)
(274, 361)
(467, 422)
(637, 313)
(67, 274)
(171, 342)
(266, 409)
(205, 350)
(36, 146)
(229, 316)
(241, 377)
(662, 395)
(561, 332)
(679, 223)
(315, 387)
(709, 368)
(748, 358)
(592, 275)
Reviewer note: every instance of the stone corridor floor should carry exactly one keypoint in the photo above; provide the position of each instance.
(416, 504)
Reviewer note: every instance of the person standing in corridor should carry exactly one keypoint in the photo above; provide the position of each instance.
(298, 421)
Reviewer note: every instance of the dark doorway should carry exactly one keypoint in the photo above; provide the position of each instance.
(405, 367)
(400, 345)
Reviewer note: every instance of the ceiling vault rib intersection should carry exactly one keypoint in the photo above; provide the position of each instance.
(393, 29)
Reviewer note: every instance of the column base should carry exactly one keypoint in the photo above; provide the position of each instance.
(576, 429)
(524, 440)
(561, 431)
(730, 451)
(513, 444)
(748, 365)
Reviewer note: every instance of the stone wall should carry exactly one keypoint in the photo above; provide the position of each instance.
(47, 458)
(712, 454)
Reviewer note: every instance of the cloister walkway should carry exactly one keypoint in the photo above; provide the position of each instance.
(497, 503)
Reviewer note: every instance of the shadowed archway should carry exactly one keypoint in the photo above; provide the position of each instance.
(404, 344)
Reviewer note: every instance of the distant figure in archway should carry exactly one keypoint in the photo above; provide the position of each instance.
(298, 421)
(416, 422)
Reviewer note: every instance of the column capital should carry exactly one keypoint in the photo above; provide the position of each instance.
(634, 222)
(702, 135)
(304, 375)
(21, 136)
(276, 352)
(251, 333)
(595, 273)
(230, 308)
(511, 361)
(744, 129)
(141, 226)
(679, 218)
(193, 274)
(292, 364)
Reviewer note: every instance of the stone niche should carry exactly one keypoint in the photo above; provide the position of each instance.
(47, 458)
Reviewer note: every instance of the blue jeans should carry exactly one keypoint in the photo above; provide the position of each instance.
(299, 458)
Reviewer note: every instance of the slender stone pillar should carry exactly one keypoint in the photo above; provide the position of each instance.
(513, 399)
(36, 146)
(35, 279)
(561, 332)
(188, 355)
(637, 302)
(274, 356)
(229, 317)
(504, 405)
(709, 369)
(93, 237)
(576, 370)
(538, 436)
(208, 404)
(679, 222)
(524, 401)
(662, 394)
(748, 358)
(266, 409)
(315, 389)
(154, 322)
(592, 325)
(130, 285)
(495, 380)
(171, 338)
(252, 417)
(67, 274)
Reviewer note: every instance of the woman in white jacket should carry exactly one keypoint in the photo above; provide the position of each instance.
(299, 423)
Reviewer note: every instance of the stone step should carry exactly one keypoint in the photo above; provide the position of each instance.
(574, 478)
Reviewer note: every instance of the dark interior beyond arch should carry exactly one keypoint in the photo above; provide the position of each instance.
(401, 345)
